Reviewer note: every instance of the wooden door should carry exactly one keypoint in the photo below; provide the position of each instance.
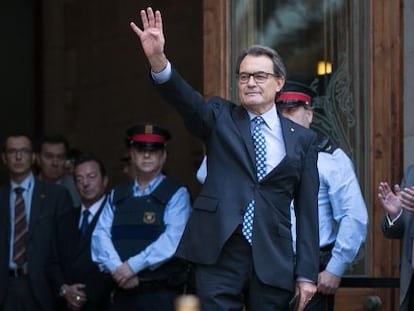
(368, 34)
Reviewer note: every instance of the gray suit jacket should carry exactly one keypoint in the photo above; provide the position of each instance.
(232, 183)
(403, 229)
(48, 200)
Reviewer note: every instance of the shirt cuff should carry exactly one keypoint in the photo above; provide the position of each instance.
(162, 76)
(303, 279)
(392, 222)
(336, 268)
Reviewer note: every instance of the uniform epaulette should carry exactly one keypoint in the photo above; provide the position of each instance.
(325, 145)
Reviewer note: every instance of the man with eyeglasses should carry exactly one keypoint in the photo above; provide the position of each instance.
(28, 209)
(238, 234)
(51, 159)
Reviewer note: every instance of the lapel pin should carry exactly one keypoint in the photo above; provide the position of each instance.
(292, 129)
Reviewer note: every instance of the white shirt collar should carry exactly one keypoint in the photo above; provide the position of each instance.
(93, 209)
(270, 117)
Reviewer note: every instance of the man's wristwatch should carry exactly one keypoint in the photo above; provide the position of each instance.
(62, 291)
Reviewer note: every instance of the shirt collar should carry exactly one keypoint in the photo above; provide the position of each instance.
(137, 191)
(93, 209)
(270, 117)
(26, 184)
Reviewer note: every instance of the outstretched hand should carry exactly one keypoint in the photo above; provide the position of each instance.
(152, 38)
(390, 201)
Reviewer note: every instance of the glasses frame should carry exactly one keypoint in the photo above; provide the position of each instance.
(258, 76)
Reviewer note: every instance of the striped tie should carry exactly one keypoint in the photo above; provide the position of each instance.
(260, 151)
(20, 229)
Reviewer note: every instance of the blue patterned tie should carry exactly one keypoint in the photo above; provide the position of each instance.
(260, 155)
(85, 223)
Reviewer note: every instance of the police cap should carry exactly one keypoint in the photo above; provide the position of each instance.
(295, 94)
(147, 136)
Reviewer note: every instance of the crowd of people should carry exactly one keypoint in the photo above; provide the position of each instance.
(278, 220)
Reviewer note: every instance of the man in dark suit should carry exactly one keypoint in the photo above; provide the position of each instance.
(25, 238)
(398, 223)
(238, 234)
(74, 277)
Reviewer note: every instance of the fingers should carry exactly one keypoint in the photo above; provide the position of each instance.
(144, 19)
(306, 292)
(131, 283)
(135, 28)
(407, 199)
(158, 19)
(149, 20)
(397, 189)
(150, 17)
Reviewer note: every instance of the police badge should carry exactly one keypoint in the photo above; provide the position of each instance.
(149, 217)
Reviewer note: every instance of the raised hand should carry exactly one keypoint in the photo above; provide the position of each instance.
(390, 202)
(152, 38)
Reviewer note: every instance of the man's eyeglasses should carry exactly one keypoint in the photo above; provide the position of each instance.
(258, 76)
(14, 152)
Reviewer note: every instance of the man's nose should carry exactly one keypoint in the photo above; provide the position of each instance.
(251, 81)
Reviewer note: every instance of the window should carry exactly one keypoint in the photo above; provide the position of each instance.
(324, 44)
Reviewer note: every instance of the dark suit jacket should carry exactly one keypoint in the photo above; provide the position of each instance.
(48, 201)
(71, 262)
(403, 229)
(231, 184)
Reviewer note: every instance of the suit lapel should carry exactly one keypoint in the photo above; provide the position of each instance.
(85, 242)
(242, 121)
(290, 140)
(37, 201)
(289, 136)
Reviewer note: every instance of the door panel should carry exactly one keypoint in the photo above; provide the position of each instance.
(361, 42)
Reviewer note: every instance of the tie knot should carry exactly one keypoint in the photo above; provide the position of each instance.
(18, 190)
(85, 214)
(258, 120)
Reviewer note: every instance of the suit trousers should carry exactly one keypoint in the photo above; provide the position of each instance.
(408, 304)
(19, 296)
(231, 283)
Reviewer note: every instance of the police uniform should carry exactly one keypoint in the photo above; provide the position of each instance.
(342, 212)
(143, 227)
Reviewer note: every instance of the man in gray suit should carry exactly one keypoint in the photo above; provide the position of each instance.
(398, 223)
(243, 192)
(28, 209)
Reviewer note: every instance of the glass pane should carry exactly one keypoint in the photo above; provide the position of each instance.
(323, 44)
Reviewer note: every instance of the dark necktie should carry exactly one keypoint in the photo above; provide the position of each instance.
(20, 229)
(85, 223)
(260, 157)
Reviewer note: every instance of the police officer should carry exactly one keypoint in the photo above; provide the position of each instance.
(139, 229)
(342, 212)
